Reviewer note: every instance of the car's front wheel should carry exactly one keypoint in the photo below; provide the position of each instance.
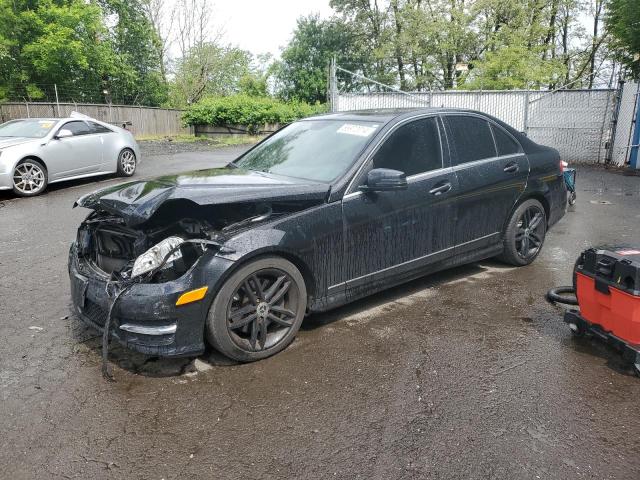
(525, 233)
(258, 310)
(29, 178)
(127, 163)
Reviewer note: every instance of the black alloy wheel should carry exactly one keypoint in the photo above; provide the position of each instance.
(525, 234)
(530, 232)
(258, 311)
(262, 309)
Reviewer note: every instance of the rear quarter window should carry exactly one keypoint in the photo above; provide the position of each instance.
(504, 142)
(471, 138)
(97, 128)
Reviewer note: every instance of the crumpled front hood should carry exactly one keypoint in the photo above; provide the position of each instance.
(14, 141)
(136, 202)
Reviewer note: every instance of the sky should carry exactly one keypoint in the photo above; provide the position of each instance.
(263, 26)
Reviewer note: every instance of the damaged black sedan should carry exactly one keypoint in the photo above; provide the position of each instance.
(325, 211)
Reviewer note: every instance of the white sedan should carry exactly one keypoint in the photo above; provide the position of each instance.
(37, 151)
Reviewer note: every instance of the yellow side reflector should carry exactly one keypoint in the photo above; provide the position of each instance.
(192, 296)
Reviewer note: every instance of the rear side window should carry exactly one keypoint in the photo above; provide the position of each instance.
(77, 128)
(505, 143)
(97, 128)
(471, 138)
(413, 148)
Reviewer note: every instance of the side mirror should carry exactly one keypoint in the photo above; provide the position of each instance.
(385, 180)
(64, 133)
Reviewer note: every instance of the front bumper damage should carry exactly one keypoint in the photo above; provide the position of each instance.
(146, 318)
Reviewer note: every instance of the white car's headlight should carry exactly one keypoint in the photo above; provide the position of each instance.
(153, 257)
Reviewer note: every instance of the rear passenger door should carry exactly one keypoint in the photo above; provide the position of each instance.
(492, 172)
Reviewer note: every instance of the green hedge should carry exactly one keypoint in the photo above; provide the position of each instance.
(245, 110)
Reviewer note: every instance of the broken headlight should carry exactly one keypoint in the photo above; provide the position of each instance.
(153, 258)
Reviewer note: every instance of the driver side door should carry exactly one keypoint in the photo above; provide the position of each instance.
(77, 154)
(394, 234)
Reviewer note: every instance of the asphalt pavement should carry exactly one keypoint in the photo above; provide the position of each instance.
(465, 374)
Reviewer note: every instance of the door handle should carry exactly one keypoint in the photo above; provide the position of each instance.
(511, 168)
(440, 189)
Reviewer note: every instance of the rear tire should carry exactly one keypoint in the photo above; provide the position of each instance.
(30, 178)
(127, 163)
(258, 310)
(525, 234)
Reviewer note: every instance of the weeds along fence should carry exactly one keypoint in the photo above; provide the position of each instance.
(575, 122)
(144, 120)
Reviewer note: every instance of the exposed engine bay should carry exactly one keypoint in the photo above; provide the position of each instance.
(115, 249)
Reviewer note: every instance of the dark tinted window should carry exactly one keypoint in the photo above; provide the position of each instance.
(77, 128)
(413, 148)
(471, 138)
(97, 128)
(506, 145)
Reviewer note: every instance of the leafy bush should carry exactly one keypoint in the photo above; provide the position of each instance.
(246, 110)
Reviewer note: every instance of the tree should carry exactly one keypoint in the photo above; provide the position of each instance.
(135, 42)
(54, 42)
(208, 69)
(623, 22)
(67, 43)
(302, 72)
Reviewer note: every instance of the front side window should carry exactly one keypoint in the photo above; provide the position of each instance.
(318, 150)
(77, 128)
(471, 138)
(413, 148)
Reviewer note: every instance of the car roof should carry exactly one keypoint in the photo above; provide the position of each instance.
(58, 119)
(387, 115)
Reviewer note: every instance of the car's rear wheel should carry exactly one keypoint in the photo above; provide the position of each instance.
(525, 234)
(127, 163)
(29, 178)
(258, 310)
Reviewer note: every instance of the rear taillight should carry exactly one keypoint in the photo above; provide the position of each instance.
(563, 165)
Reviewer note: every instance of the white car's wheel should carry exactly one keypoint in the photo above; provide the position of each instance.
(127, 163)
(29, 178)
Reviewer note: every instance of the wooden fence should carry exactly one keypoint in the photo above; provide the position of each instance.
(144, 120)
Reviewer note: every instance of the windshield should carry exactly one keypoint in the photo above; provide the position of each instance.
(318, 150)
(26, 128)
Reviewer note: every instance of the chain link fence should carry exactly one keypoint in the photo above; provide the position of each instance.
(575, 122)
(578, 123)
(624, 115)
(144, 121)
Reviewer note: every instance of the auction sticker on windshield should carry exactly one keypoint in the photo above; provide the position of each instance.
(358, 130)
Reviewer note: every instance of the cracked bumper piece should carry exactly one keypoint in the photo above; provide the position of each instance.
(146, 318)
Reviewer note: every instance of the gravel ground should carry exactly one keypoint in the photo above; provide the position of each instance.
(464, 374)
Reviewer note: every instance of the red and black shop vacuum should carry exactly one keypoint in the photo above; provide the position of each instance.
(606, 285)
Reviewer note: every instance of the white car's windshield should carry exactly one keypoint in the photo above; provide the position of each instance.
(26, 128)
(318, 150)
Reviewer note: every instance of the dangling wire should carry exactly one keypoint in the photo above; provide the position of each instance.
(114, 291)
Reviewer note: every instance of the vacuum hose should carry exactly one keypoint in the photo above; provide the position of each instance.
(555, 295)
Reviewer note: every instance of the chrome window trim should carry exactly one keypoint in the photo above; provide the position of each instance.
(414, 260)
(475, 163)
(350, 191)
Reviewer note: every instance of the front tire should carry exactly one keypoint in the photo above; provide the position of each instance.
(525, 234)
(30, 178)
(258, 310)
(127, 163)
